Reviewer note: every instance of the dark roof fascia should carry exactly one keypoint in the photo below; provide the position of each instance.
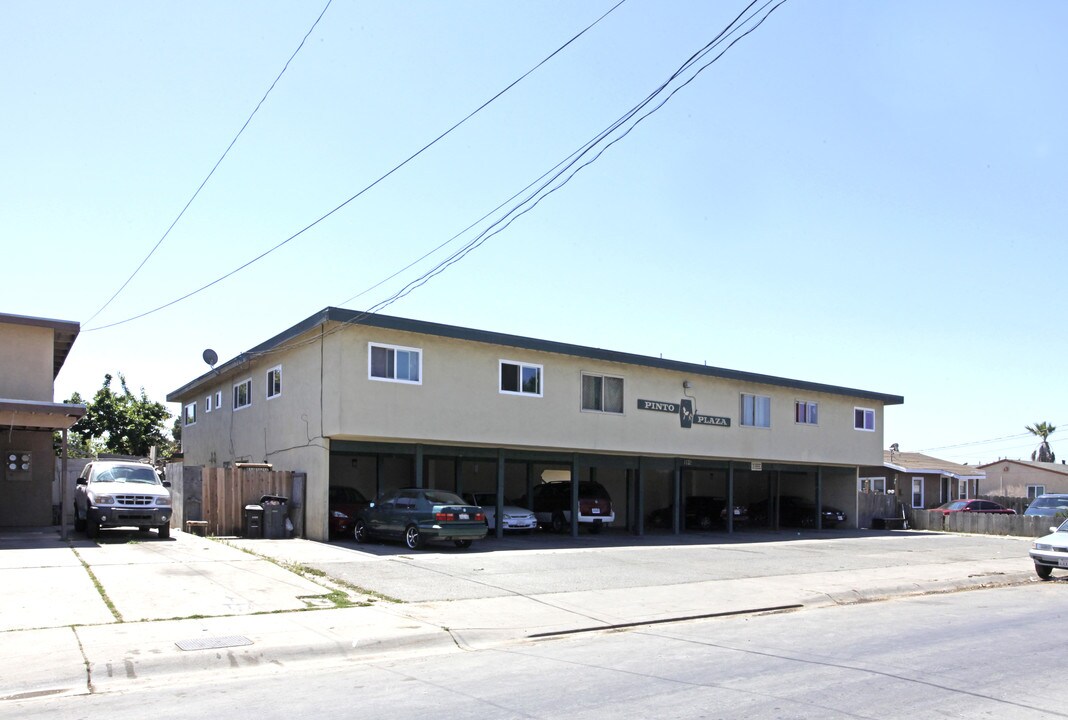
(422, 327)
(64, 333)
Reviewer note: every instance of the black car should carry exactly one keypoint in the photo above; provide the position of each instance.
(551, 503)
(796, 511)
(702, 512)
(416, 515)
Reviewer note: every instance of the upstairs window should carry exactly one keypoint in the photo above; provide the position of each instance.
(806, 413)
(190, 414)
(756, 411)
(398, 364)
(243, 394)
(274, 382)
(864, 419)
(520, 378)
(218, 399)
(207, 404)
(602, 393)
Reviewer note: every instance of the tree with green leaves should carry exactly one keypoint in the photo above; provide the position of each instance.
(120, 422)
(1042, 430)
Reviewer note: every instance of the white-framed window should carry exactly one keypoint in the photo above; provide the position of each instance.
(1034, 491)
(218, 399)
(917, 492)
(243, 394)
(756, 411)
(602, 393)
(207, 404)
(189, 415)
(872, 485)
(394, 363)
(517, 378)
(864, 419)
(806, 412)
(274, 382)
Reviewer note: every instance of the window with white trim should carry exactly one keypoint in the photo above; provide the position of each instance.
(207, 404)
(518, 378)
(917, 492)
(756, 411)
(864, 419)
(872, 485)
(806, 412)
(243, 394)
(274, 382)
(1034, 491)
(190, 414)
(218, 399)
(602, 393)
(394, 363)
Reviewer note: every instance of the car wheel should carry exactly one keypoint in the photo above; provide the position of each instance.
(92, 528)
(412, 538)
(79, 524)
(704, 522)
(359, 533)
(462, 544)
(559, 522)
(164, 531)
(1043, 572)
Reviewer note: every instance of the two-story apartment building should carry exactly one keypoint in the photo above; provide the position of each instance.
(378, 402)
(32, 352)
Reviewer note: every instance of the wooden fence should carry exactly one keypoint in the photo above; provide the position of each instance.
(219, 495)
(981, 523)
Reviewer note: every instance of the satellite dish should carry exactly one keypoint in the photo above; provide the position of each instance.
(210, 357)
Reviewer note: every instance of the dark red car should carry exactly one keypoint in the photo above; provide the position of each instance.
(345, 502)
(976, 506)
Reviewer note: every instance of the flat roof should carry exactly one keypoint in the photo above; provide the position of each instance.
(354, 317)
(35, 415)
(64, 333)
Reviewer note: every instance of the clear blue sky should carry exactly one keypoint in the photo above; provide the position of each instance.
(864, 194)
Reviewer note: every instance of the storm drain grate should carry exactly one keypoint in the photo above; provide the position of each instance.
(213, 643)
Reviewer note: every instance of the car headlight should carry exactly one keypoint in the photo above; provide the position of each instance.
(102, 499)
(163, 501)
(339, 515)
(1041, 546)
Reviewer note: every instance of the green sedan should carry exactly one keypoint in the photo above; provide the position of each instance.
(419, 515)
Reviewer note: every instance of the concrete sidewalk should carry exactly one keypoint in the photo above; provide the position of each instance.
(193, 604)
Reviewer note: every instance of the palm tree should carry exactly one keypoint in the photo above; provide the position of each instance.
(1042, 430)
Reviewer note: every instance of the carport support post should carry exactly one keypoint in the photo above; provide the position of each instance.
(639, 499)
(498, 531)
(730, 496)
(676, 492)
(419, 466)
(379, 474)
(819, 497)
(574, 495)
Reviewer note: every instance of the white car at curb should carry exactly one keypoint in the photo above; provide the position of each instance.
(1051, 551)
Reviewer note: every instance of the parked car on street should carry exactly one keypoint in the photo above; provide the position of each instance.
(1051, 551)
(419, 515)
(796, 511)
(1049, 505)
(514, 517)
(121, 493)
(976, 506)
(551, 503)
(702, 512)
(344, 503)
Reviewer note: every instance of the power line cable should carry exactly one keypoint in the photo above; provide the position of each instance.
(368, 187)
(214, 167)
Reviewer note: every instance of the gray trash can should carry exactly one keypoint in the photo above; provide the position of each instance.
(253, 521)
(274, 516)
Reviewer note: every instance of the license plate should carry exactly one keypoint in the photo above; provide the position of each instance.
(465, 516)
(1062, 562)
(596, 511)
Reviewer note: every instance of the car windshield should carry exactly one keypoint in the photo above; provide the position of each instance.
(593, 490)
(1063, 527)
(1050, 502)
(440, 497)
(485, 498)
(955, 505)
(128, 474)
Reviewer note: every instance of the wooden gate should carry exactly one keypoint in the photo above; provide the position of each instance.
(226, 492)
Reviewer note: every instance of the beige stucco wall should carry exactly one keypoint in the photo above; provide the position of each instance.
(26, 497)
(1011, 479)
(26, 359)
(458, 402)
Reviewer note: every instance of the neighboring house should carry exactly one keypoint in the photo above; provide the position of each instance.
(32, 352)
(921, 480)
(377, 402)
(1025, 478)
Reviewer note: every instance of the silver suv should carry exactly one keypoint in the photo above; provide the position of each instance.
(113, 493)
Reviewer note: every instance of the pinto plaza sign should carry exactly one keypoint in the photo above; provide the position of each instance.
(684, 409)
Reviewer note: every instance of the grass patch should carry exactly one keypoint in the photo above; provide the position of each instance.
(99, 588)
